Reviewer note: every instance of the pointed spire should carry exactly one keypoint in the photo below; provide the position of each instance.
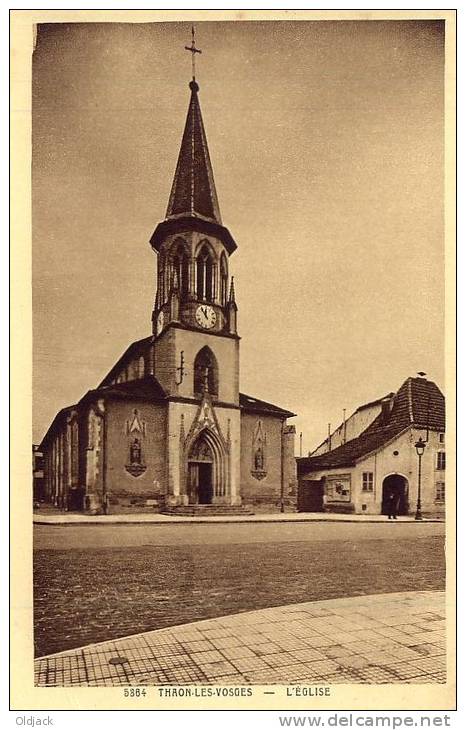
(193, 191)
(232, 310)
(231, 298)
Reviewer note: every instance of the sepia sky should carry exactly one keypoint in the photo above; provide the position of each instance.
(326, 141)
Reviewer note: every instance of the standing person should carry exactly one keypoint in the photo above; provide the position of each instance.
(392, 505)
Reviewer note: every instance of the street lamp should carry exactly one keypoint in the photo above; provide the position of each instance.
(419, 446)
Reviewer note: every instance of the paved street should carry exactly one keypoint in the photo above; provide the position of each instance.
(394, 638)
(97, 583)
(50, 537)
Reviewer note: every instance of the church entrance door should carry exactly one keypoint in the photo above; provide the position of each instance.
(205, 489)
(200, 473)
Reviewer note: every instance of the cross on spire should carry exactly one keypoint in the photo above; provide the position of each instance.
(192, 48)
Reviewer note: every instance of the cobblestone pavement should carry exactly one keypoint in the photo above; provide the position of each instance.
(394, 638)
(92, 594)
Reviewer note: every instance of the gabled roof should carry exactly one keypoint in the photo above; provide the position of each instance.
(60, 417)
(339, 428)
(147, 388)
(193, 190)
(136, 349)
(374, 402)
(254, 405)
(418, 403)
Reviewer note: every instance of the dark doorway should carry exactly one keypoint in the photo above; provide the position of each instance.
(75, 499)
(205, 489)
(201, 472)
(311, 495)
(398, 485)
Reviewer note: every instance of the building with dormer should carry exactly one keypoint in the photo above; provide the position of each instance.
(373, 455)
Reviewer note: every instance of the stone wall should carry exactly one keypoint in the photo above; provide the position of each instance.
(132, 481)
(261, 489)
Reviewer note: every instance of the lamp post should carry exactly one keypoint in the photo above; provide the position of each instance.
(419, 446)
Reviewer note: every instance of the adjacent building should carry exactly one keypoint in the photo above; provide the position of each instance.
(168, 428)
(373, 454)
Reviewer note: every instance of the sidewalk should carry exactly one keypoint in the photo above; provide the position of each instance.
(394, 638)
(66, 518)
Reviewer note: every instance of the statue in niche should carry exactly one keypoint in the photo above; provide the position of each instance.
(259, 445)
(136, 465)
(259, 459)
(135, 452)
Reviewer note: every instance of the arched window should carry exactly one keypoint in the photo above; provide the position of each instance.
(141, 367)
(204, 271)
(161, 279)
(223, 279)
(180, 266)
(205, 372)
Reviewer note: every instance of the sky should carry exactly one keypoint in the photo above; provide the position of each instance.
(326, 140)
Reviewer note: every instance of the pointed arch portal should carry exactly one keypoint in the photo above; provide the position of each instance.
(206, 470)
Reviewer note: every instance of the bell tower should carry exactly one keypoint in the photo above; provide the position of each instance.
(194, 307)
(192, 245)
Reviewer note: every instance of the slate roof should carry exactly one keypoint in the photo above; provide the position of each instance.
(147, 388)
(254, 405)
(418, 403)
(193, 190)
(136, 349)
(59, 418)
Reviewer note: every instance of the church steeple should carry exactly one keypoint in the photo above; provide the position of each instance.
(193, 203)
(193, 191)
(192, 245)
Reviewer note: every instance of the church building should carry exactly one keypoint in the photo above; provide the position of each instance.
(168, 428)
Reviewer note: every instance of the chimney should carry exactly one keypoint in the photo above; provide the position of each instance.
(386, 410)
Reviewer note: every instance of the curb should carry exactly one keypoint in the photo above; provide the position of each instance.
(210, 521)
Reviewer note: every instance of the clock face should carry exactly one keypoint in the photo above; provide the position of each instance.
(160, 321)
(206, 316)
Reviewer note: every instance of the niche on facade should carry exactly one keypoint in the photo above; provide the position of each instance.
(136, 433)
(259, 452)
